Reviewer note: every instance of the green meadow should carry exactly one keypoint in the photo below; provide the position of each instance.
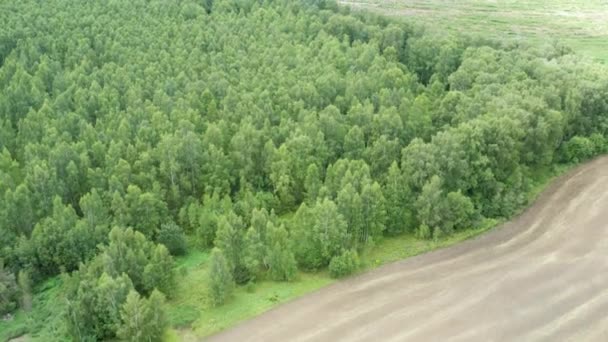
(580, 24)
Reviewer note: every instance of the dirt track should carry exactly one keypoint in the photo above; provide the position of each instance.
(541, 277)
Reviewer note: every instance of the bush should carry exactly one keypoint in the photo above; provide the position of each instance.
(579, 149)
(344, 264)
(172, 236)
(423, 232)
(9, 291)
(599, 143)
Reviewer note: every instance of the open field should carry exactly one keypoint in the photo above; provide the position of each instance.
(581, 24)
(542, 276)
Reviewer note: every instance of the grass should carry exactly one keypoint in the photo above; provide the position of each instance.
(580, 24)
(44, 322)
(190, 315)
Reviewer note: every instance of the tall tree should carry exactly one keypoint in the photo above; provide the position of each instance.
(399, 214)
(280, 259)
(221, 281)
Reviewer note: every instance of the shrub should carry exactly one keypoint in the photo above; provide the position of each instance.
(599, 143)
(344, 264)
(172, 236)
(579, 149)
(9, 292)
(423, 232)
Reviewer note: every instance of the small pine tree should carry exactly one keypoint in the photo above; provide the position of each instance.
(221, 282)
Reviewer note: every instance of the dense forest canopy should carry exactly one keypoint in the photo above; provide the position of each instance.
(283, 135)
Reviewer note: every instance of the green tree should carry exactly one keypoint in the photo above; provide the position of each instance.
(212, 209)
(429, 205)
(354, 143)
(312, 183)
(280, 259)
(320, 238)
(60, 241)
(221, 281)
(229, 239)
(149, 266)
(146, 210)
(9, 291)
(93, 302)
(19, 213)
(254, 252)
(142, 320)
(460, 212)
(350, 206)
(110, 294)
(94, 212)
(172, 236)
(158, 272)
(373, 212)
(399, 215)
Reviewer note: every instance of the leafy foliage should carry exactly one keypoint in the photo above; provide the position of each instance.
(221, 281)
(142, 320)
(172, 236)
(344, 264)
(9, 291)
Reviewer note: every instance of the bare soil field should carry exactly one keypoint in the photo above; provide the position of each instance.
(541, 277)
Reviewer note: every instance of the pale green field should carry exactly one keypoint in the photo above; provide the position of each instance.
(580, 24)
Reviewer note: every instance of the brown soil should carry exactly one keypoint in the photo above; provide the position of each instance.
(541, 277)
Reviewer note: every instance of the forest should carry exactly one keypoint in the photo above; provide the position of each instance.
(282, 136)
